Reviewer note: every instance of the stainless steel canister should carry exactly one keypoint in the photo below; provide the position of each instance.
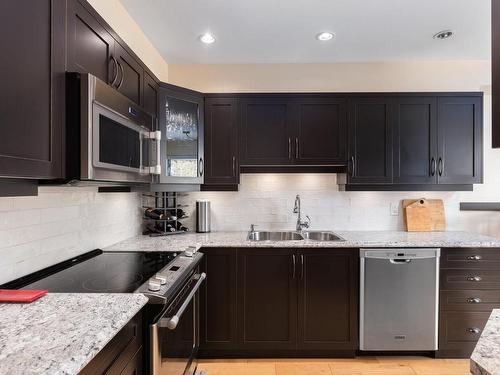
(202, 215)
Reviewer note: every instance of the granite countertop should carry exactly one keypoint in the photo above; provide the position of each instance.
(61, 332)
(485, 359)
(354, 239)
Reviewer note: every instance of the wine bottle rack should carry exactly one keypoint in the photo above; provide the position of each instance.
(166, 203)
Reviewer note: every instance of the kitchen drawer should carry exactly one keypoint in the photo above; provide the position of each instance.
(469, 300)
(459, 332)
(469, 279)
(485, 258)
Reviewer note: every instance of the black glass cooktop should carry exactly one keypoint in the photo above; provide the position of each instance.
(97, 272)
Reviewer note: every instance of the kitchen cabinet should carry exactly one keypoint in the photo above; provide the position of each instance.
(279, 301)
(123, 354)
(320, 131)
(495, 72)
(460, 140)
(150, 97)
(33, 89)
(181, 123)
(130, 75)
(91, 47)
(328, 299)
(293, 130)
(415, 140)
(469, 290)
(266, 131)
(218, 301)
(370, 122)
(221, 141)
(267, 299)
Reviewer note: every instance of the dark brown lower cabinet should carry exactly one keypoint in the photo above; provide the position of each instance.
(123, 354)
(328, 299)
(469, 290)
(265, 302)
(267, 299)
(218, 301)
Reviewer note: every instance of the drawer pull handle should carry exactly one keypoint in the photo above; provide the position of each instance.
(474, 300)
(474, 257)
(474, 278)
(473, 330)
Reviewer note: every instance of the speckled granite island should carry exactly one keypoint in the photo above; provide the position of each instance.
(353, 239)
(61, 333)
(485, 359)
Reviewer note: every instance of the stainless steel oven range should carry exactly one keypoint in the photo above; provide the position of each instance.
(174, 329)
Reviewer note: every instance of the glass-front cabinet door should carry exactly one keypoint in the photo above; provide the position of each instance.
(181, 125)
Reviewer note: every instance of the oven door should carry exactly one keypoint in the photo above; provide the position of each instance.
(175, 334)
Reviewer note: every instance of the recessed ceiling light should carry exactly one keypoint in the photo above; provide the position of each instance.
(324, 36)
(207, 38)
(445, 34)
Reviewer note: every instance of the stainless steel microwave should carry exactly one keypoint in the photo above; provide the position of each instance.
(109, 137)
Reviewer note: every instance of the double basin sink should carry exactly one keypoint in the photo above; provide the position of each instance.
(293, 236)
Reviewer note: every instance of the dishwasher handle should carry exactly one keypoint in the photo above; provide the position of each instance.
(399, 261)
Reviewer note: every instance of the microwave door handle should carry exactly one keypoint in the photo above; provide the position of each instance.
(171, 323)
(155, 136)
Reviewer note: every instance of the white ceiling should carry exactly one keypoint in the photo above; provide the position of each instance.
(283, 31)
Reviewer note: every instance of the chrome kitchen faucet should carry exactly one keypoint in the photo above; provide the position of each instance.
(296, 210)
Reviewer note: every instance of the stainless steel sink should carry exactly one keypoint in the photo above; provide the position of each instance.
(274, 236)
(293, 236)
(321, 236)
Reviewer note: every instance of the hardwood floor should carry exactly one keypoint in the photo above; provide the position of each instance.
(356, 366)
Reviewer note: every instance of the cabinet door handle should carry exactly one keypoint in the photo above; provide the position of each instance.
(474, 300)
(352, 165)
(115, 70)
(234, 166)
(474, 257)
(201, 167)
(296, 147)
(301, 266)
(473, 330)
(293, 266)
(122, 77)
(289, 148)
(474, 278)
(433, 166)
(440, 166)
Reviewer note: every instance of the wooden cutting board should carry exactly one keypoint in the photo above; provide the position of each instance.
(424, 215)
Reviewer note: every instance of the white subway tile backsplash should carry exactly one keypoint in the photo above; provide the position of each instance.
(62, 222)
(268, 199)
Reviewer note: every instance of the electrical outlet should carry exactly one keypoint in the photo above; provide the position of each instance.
(394, 209)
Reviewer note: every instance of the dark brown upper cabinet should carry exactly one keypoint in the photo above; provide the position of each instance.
(293, 131)
(221, 141)
(415, 140)
(370, 122)
(320, 131)
(495, 71)
(460, 140)
(150, 95)
(32, 101)
(91, 47)
(266, 131)
(130, 75)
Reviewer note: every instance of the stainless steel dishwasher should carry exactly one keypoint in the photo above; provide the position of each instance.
(399, 299)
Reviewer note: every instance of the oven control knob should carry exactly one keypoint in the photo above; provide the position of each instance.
(154, 285)
(161, 278)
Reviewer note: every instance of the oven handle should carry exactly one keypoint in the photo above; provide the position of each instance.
(171, 323)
